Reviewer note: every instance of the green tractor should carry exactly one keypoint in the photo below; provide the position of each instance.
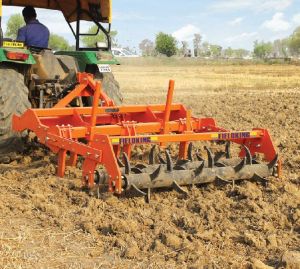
(39, 78)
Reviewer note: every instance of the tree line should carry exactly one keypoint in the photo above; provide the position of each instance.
(280, 48)
(166, 44)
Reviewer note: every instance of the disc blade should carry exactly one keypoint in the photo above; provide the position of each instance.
(210, 157)
(127, 164)
(138, 191)
(179, 189)
(241, 165)
(169, 161)
(151, 155)
(190, 152)
(248, 155)
(156, 173)
(227, 150)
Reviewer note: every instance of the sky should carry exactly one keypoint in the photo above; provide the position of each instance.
(229, 23)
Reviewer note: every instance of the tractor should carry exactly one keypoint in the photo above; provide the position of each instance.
(33, 77)
(73, 107)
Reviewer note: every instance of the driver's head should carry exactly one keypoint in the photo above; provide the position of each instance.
(29, 14)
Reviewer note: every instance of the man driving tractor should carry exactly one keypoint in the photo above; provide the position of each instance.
(34, 33)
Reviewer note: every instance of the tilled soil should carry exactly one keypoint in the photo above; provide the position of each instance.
(47, 222)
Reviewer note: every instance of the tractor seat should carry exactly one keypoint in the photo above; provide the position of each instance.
(37, 50)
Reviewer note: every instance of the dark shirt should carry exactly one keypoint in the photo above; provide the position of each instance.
(34, 34)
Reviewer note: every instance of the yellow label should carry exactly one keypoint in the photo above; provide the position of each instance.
(115, 140)
(12, 44)
(253, 133)
(215, 136)
(153, 138)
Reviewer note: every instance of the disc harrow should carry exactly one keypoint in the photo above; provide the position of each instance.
(103, 135)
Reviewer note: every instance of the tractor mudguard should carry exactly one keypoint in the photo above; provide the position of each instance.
(15, 55)
(85, 58)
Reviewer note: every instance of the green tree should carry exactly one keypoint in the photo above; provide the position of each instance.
(241, 53)
(166, 44)
(262, 49)
(15, 22)
(57, 42)
(229, 52)
(147, 47)
(281, 47)
(90, 41)
(185, 48)
(294, 42)
(197, 43)
(216, 50)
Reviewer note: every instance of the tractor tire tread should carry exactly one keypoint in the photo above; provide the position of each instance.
(13, 100)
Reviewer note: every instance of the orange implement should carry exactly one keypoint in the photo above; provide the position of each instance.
(99, 133)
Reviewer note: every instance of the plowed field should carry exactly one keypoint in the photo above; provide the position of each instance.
(47, 222)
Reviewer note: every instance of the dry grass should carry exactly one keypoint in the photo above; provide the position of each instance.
(136, 80)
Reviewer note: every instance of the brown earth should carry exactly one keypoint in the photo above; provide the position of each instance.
(47, 222)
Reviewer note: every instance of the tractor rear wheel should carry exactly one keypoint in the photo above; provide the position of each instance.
(111, 87)
(13, 100)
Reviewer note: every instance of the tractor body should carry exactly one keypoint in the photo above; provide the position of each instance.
(47, 76)
(73, 112)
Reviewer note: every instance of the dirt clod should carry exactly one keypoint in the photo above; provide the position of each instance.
(257, 264)
(291, 260)
(172, 241)
(50, 222)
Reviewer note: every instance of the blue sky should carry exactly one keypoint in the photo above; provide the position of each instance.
(235, 23)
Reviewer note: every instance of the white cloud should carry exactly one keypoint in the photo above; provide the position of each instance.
(296, 19)
(256, 5)
(186, 33)
(277, 23)
(241, 37)
(236, 21)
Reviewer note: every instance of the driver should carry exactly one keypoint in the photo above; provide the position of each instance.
(33, 33)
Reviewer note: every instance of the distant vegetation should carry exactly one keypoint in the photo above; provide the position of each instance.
(166, 44)
(281, 48)
(90, 41)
